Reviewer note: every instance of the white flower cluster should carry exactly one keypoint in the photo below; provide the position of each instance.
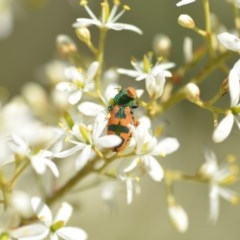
(86, 123)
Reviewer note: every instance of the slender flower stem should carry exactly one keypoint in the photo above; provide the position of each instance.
(210, 107)
(100, 58)
(180, 95)
(18, 173)
(207, 13)
(70, 184)
(173, 175)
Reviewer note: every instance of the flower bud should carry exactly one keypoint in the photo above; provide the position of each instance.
(192, 92)
(65, 46)
(178, 217)
(162, 45)
(186, 21)
(83, 34)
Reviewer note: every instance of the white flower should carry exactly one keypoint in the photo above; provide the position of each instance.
(184, 2)
(57, 227)
(78, 82)
(40, 160)
(89, 137)
(229, 41)
(219, 177)
(147, 147)
(108, 19)
(155, 76)
(224, 128)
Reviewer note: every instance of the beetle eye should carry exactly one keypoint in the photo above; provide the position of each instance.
(135, 105)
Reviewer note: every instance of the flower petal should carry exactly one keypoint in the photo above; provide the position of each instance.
(41, 210)
(126, 166)
(214, 203)
(65, 86)
(166, 146)
(64, 213)
(91, 72)
(108, 141)
(72, 233)
(154, 169)
(84, 22)
(128, 72)
(31, 232)
(70, 151)
(130, 187)
(234, 87)
(52, 166)
(124, 26)
(84, 156)
(75, 97)
(16, 144)
(90, 109)
(99, 125)
(223, 129)
(184, 2)
(229, 41)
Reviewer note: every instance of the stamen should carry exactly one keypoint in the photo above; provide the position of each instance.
(85, 134)
(90, 13)
(118, 15)
(105, 11)
(113, 13)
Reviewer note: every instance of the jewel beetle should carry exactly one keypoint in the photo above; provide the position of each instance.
(121, 116)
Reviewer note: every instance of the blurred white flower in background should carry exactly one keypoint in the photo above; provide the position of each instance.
(219, 176)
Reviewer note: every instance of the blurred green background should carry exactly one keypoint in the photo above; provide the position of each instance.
(32, 44)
